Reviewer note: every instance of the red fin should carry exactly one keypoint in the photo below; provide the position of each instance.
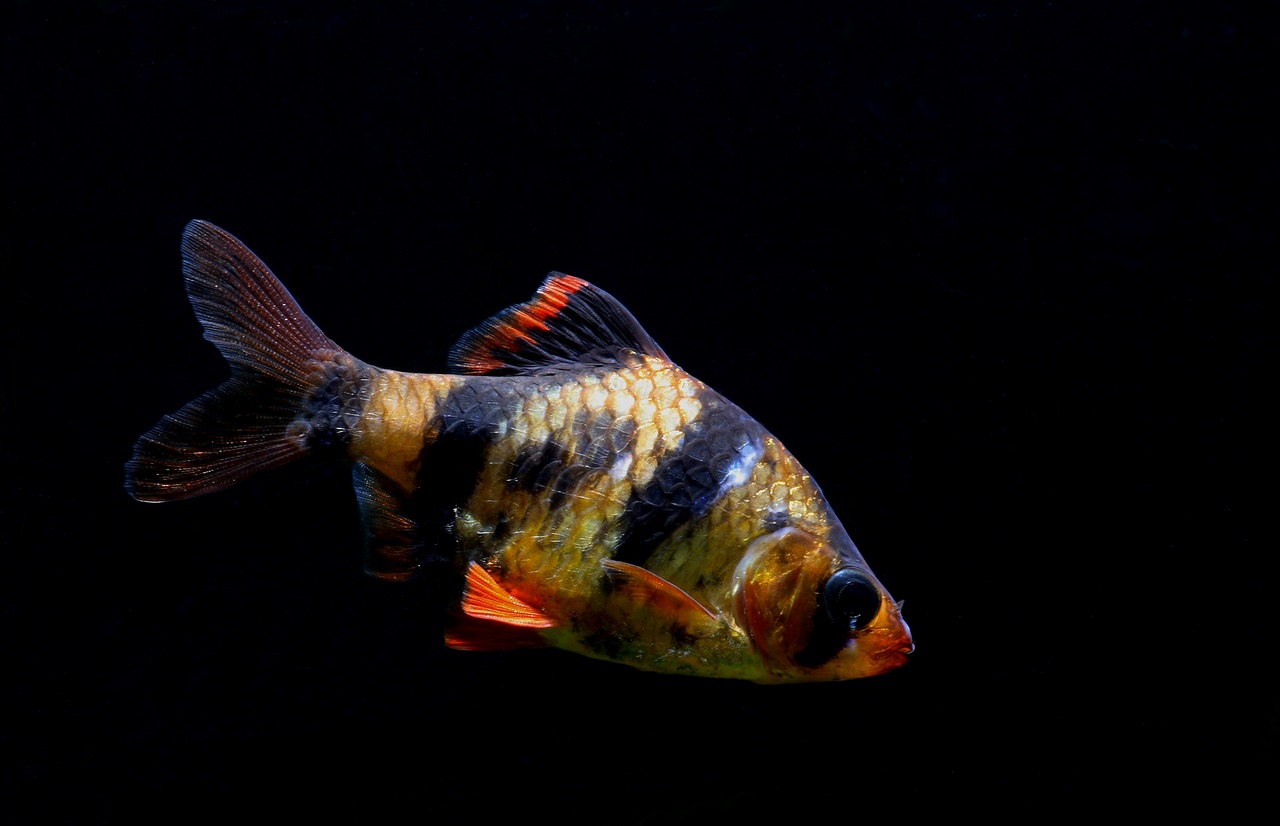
(568, 321)
(647, 588)
(470, 634)
(483, 598)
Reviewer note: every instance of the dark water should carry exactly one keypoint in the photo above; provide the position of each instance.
(1001, 276)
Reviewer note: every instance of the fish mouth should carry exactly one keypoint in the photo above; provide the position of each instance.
(891, 658)
(894, 653)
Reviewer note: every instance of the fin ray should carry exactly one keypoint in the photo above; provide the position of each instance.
(483, 598)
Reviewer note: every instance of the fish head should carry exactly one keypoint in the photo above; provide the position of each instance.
(814, 611)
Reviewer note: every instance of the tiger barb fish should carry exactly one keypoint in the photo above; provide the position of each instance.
(598, 498)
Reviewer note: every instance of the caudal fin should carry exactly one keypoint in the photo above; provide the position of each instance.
(242, 426)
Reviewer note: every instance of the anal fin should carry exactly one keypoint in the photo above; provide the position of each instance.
(393, 542)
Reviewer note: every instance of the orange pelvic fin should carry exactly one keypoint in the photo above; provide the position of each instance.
(483, 598)
(646, 588)
(493, 619)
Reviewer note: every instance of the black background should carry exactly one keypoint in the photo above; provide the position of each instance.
(999, 274)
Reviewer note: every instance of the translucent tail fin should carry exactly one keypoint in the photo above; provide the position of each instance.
(240, 427)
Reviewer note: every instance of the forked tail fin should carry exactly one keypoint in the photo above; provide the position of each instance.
(242, 426)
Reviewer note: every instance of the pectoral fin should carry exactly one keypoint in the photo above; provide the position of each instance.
(645, 588)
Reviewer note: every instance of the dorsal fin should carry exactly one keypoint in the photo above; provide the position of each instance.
(568, 321)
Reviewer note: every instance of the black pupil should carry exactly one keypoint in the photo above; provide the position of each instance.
(851, 598)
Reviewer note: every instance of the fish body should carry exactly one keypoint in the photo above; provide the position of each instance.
(596, 497)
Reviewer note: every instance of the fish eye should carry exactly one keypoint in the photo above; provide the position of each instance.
(851, 598)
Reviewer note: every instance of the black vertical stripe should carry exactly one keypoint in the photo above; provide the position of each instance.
(687, 483)
(452, 461)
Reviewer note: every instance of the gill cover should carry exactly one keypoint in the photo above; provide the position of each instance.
(813, 614)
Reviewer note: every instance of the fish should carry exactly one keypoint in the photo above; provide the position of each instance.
(589, 495)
